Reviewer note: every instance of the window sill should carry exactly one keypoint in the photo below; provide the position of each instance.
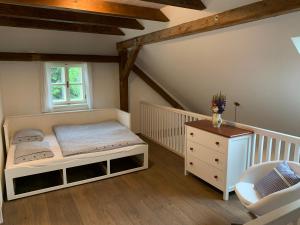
(74, 107)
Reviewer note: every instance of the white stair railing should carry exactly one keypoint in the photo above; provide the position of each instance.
(165, 125)
(286, 215)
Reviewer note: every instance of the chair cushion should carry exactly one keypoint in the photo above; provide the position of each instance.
(278, 179)
(246, 193)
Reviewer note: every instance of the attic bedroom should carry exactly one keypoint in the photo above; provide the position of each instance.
(149, 112)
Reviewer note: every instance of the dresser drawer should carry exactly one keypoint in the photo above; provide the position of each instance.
(206, 172)
(211, 157)
(207, 139)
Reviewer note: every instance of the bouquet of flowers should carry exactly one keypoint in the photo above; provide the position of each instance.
(218, 103)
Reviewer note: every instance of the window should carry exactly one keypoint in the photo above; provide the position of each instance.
(67, 86)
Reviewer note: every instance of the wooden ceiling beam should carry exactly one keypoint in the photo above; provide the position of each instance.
(14, 56)
(190, 4)
(244, 14)
(132, 56)
(127, 60)
(67, 16)
(98, 7)
(61, 26)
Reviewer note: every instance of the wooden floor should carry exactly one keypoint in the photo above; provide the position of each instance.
(159, 195)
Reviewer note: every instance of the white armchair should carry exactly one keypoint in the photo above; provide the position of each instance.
(250, 198)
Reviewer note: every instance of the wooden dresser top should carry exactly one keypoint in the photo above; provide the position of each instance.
(225, 130)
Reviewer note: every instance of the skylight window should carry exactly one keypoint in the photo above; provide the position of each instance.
(296, 41)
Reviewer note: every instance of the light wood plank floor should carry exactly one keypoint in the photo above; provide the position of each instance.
(159, 195)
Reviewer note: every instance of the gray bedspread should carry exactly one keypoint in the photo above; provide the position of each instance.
(79, 139)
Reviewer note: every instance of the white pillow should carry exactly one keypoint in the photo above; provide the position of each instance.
(28, 135)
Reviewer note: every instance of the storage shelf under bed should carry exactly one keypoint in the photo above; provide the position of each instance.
(84, 172)
(67, 176)
(126, 163)
(38, 181)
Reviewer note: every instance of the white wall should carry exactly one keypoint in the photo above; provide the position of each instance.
(20, 83)
(139, 91)
(255, 64)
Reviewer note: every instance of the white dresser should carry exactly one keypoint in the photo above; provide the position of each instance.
(216, 155)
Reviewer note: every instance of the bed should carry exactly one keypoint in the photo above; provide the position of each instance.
(65, 170)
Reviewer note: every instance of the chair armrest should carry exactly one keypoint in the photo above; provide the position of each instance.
(276, 200)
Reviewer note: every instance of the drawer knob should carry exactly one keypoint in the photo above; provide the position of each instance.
(192, 149)
(217, 143)
(216, 177)
(192, 134)
(191, 163)
(217, 160)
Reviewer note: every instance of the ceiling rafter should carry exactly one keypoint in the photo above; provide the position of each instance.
(61, 26)
(99, 7)
(244, 14)
(16, 56)
(190, 4)
(67, 16)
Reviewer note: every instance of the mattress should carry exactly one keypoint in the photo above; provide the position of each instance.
(58, 156)
(96, 137)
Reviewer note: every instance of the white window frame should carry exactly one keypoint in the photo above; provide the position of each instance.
(68, 104)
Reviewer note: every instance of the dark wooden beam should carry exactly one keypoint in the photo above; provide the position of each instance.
(248, 13)
(132, 55)
(127, 60)
(99, 7)
(14, 56)
(67, 16)
(141, 74)
(123, 83)
(190, 4)
(61, 26)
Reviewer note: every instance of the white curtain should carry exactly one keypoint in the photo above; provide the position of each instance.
(47, 105)
(89, 84)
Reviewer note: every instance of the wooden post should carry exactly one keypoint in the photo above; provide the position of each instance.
(123, 82)
(127, 60)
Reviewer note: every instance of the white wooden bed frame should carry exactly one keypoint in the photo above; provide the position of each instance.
(45, 122)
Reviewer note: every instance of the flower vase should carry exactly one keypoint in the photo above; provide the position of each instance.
(217, 120)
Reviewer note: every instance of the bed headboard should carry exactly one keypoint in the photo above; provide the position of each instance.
(46, 121)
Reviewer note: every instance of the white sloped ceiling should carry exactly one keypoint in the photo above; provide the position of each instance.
(255, 64)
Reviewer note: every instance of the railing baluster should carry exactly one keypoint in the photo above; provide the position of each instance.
(147, 121)
(269, 149)
(159, 125)
(152, 123)
(169, 129)
(297, 153)
(253, 149)
(261, 148)
(287, 151)
(163, 127)
(277, 149)
(173, 131)
(177, 133)
(182, 134)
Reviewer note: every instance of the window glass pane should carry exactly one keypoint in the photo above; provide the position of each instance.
(58, 93)
(76, 93)
(57, 75)
(75, 75)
